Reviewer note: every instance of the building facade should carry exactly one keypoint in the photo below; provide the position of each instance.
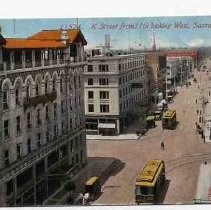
(172, 67)
(42, 121)
(114, 86)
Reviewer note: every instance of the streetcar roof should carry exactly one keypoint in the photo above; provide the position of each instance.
(91, 180)
(169, 113)
(150, 173)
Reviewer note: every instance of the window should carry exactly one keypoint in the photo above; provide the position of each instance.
(120, 80)
(104, 108)
(18, 151)
(37, 89)
(55, 131)
(6, 157)
(90, 81)
(103, 68)
(28, 120)
(27, 91)
(120, 67)
(75, 101)
(70, 87)
(47, 136)
(120, 93)
(90, 95)
(54, 85)
(46, 113)
(18, 124)
(62, 107)
(6, 129)
(103, 81)
(38, 140)
(5, 99)
(91, 107)
(29, 145)
(71, 123)
(104, 94)
(90, 68)
(55, 110)
(46, 86)
(75, 83)
(39, 122)
(62, 127)
(71, 104)
(61, 85)
(17, 101)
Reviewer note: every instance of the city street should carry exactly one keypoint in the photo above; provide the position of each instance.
(184, 151)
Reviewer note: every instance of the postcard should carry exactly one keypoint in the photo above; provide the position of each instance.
(105, 111)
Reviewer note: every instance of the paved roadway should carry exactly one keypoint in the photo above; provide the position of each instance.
(184, 151)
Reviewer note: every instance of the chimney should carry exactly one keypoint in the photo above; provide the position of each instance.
(64, 36)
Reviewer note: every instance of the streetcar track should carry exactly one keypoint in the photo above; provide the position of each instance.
(184, 160)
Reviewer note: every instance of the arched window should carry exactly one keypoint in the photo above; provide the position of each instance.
(28, 89)
(61, 84)
(54, 84)
(38, 88)
(5, 97)
(17, 94)
(46, 85)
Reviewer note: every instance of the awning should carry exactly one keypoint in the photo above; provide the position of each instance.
(106, 125)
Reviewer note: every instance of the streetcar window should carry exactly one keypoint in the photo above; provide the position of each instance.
(146, 190)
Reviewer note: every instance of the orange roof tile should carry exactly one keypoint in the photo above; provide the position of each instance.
(56, 35)
(14, 43)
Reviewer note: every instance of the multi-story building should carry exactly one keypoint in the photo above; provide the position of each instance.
(172, 66)
(42, 119)
(114, 86)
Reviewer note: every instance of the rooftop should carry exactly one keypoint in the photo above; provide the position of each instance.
(113, 57)
(14, 43)
(56, 34)
(46, 39)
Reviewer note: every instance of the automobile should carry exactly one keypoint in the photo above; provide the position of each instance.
(150, 122)
(158, 114)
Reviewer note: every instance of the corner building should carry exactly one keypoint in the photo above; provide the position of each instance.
(114, 87)
(42, 121)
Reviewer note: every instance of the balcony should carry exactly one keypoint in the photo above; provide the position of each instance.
(34, 101)
(12, 170)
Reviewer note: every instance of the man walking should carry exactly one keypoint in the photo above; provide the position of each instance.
(162, 145)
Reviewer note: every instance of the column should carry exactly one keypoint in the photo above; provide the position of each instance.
(50, 56)
(118, 126)
(23, 59)
(33, 58)
(34, 182)
(15, 189)
(11, 60)
(42, 57)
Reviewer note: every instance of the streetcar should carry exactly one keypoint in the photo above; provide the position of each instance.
(93, 186)
(149, 182)
(169, 120)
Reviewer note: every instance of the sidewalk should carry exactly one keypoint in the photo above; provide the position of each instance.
(203, 193)
(122, 137)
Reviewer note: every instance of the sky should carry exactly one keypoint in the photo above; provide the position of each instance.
(138, 33)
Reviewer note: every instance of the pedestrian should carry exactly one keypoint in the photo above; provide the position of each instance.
(197, 111)
(196, 101)
(162, 145)
(200, 112)
(209, 93)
